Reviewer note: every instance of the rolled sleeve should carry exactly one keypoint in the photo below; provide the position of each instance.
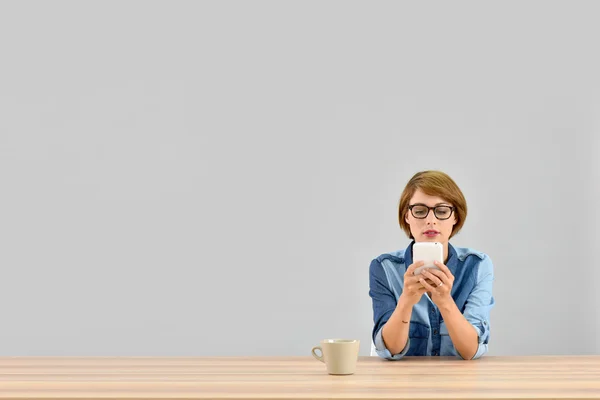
(384, 304)
(383, 351)
(479, 304)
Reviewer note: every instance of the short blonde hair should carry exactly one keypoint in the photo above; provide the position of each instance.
(433, 183)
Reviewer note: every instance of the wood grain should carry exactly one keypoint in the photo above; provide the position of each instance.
(540, 377)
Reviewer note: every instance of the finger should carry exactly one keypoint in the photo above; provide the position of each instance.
(444, 269)
(426, 285)
(434, 279)
(439, 274)
(414, 286)
(418, 289)
(418, 286)
(416, 280)
(426, 280)
(412, 280)
(411, 269)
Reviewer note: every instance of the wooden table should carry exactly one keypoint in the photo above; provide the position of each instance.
(551, 377)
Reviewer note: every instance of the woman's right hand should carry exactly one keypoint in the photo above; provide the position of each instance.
(413, 290)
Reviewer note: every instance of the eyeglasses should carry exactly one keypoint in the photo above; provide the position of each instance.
(421, 211)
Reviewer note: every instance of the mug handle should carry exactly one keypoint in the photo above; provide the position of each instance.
(320, 358)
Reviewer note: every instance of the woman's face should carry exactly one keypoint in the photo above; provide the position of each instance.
(430, 229)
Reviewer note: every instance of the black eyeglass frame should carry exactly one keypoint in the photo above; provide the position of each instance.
(410, 207)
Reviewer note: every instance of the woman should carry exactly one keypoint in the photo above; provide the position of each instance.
(439, 312)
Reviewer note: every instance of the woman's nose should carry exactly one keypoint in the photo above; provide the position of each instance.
(430, 217)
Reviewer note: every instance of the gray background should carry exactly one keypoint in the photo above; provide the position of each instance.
(214, 178)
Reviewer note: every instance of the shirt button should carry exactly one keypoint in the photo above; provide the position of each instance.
(435, 331)
(435, 353)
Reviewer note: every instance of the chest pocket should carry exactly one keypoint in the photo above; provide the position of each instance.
(418, 334)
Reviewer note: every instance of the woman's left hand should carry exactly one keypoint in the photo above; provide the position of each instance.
(442, 283)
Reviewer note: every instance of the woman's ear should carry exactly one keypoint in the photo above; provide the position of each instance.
(406, 218)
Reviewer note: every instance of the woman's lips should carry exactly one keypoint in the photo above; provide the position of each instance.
(431, 234)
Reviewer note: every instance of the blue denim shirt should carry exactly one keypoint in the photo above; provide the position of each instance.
(428, 335)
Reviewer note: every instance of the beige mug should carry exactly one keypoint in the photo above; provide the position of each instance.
(339, 355)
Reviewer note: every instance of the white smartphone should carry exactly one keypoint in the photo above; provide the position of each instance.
(428, 252)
